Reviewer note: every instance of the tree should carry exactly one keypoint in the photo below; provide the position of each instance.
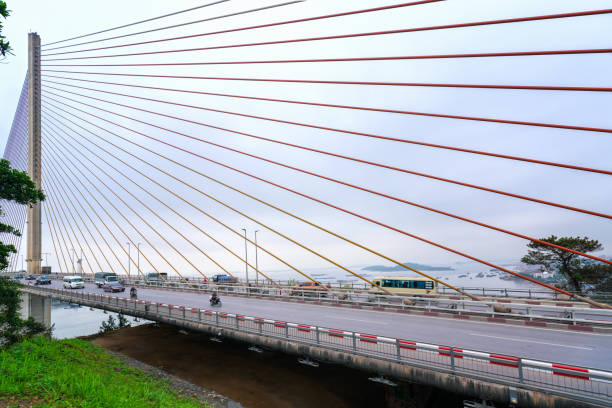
(15, 186)
(5, 48)
(576, 269)
(12, 328)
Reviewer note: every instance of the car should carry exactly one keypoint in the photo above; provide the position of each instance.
(101, 278)
(74, 282)
(30, 277)
(224, 279)
(307, 289)
(18, 276)
(113, 287)
(42, 280)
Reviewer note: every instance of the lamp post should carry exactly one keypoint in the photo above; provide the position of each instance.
(246, 257)
(22, 262)
(129, 259)
(72, 255)
(46, 259)
(138, 259)
(256, 264)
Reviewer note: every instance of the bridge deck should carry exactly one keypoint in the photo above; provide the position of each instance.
(583, 349)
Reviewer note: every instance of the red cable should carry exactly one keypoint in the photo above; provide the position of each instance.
(331, 37)
(355, 59)
(363, 108)
(503, 156)
(316, 151)
(313, 81)
(355, 187)
(301, 20)
(340, 208)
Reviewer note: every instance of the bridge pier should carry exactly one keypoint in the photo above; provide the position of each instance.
(38, 307)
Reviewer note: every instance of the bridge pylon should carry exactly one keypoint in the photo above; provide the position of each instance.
(34, 244)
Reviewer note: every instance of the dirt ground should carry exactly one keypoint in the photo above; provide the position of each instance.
(261, 380)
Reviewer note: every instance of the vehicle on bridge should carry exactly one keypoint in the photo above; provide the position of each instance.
(409, 285)
(224, 279)
(30, 277)
(113, 287)
(157, 276)
(43, 280)
(101, 278)
(307, 289)
(74, 282)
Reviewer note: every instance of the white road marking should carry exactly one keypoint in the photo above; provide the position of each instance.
(531, 341)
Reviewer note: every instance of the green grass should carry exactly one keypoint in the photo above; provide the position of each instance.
(75, 373)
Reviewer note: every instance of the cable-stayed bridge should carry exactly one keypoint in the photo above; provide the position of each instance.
(358, 135)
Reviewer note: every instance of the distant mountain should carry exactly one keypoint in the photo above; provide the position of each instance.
(382, 268)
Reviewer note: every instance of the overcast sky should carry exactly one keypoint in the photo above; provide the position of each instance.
(63, 19)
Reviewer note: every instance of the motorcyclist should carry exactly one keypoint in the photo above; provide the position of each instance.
(133, 292)
(214, 298)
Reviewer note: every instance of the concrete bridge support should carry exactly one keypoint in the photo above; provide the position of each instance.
(38, 307)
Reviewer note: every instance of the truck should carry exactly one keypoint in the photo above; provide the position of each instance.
(102, 278)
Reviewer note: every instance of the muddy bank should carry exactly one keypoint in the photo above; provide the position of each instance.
(263, 380)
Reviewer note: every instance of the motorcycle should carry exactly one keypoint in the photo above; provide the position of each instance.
(215, 301)
(133, 294)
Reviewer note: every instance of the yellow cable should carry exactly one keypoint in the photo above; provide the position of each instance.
(263, 202)
(202, 211)
(111, 218)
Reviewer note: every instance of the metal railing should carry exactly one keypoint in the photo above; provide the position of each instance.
(552, 313)
(582, 315)
(562, 379)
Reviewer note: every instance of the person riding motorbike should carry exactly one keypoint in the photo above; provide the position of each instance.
(133, 293)
(214, 299)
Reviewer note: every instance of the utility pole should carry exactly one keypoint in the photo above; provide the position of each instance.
(138, 261)
(72, 256)
(246, 257)
(34, 245)
(256, 264)
(129, 259)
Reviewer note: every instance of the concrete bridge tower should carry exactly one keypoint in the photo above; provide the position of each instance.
(34, 245)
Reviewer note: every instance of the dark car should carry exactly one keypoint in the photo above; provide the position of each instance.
(30, 277)
(113, 287)
(43, 280)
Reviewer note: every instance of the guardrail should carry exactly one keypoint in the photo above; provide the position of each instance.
(566, 380)
(584, 318)
(535, 294)
(562, 313)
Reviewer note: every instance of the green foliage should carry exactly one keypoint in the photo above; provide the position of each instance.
(5, 48)
(12, 328)
(111, 325)
(75, 373)
(15, 186)
(576, 269)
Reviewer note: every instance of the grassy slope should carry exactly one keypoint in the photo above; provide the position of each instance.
(75, 373)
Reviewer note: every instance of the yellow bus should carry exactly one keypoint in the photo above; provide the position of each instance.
(409, 285)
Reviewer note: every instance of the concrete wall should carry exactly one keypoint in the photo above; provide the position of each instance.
(38, 307)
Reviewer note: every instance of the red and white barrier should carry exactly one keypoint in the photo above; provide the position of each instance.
(579, 373)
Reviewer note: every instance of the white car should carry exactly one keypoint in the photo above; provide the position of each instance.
(74, 282)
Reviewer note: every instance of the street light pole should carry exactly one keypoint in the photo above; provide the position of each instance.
(129, 259)
(46, 259)
(22, 262)
(138, 259)
(246, 257)
(256, 264)
(72, 255)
